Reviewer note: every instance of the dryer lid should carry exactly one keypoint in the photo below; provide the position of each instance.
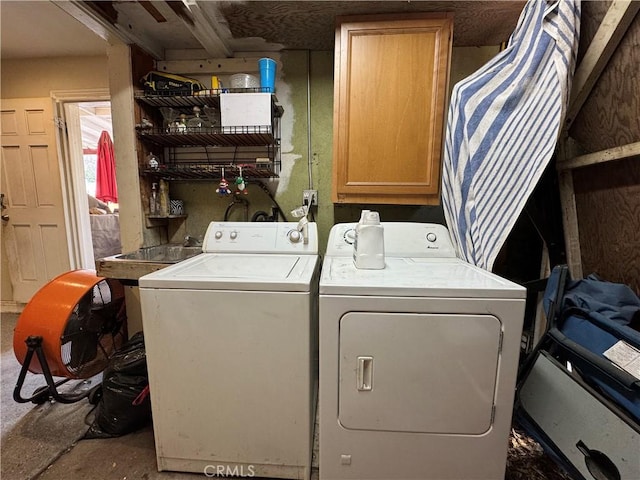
(210, 271)
(415, 277)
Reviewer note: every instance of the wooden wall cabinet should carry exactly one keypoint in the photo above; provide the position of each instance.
(391, 78)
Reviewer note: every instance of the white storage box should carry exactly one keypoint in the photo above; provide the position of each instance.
(245, 112)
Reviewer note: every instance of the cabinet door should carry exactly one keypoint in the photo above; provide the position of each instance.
(391, 76)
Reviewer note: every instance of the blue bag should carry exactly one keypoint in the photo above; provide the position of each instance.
(587, 317)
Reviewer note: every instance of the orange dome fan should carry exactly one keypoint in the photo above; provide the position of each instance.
(70, 328)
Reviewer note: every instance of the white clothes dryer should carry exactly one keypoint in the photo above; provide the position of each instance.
(418, 361)
(231, 348)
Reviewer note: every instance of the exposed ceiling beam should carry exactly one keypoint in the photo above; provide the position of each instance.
(613, 27)
(153, 11)
(211, 66)
(108, 29)
(91, 19)
(205, 29)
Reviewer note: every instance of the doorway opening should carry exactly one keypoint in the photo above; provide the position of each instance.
(93, 227)
(95, 118)
(96, 128)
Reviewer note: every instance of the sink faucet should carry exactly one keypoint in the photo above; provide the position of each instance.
(190, 241)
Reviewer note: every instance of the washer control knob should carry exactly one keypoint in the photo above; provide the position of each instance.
(350, 236)
(233, 235)
(431, 237)
(295, 236)
(218, 235)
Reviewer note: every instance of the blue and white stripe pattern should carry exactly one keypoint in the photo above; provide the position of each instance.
(503, 124)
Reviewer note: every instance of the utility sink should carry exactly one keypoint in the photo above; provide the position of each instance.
(133, 265)
(169, 253)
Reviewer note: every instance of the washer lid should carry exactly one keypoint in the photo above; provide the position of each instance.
(211, 271)
(415, 277)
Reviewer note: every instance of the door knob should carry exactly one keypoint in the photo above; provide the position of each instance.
(5, 218)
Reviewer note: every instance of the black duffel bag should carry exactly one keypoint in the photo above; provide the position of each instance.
(125, 405)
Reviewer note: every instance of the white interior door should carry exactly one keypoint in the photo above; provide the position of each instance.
(36, 238)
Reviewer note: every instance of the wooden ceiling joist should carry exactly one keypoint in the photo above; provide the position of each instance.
(204, 29)
(153, 11)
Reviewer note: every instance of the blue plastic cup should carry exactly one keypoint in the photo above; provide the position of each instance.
(267, 74)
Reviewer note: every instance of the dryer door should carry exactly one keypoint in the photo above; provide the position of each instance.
(427, 373)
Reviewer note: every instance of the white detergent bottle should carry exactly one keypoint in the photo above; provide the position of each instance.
(368, 247)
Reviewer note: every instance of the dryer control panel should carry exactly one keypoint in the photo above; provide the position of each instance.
(401, 239)
(258, 237)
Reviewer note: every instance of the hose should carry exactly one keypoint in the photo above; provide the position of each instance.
(266, 190)
(236, 200)
(260, 216)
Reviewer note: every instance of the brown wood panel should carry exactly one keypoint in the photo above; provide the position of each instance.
(141, 64)
(611, 115)
(608, 205)
(391, 79)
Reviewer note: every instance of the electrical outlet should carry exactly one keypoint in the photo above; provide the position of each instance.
(310, 198)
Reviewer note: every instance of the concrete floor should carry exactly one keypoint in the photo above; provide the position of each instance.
(44, 442)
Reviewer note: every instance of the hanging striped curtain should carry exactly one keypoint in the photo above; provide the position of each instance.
(502, 128)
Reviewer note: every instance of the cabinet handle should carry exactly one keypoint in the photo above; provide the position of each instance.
(365, 374)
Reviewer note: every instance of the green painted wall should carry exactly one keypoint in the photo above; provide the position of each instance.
(305, 90)
(300, 69)
(465, 60)
(310, 76)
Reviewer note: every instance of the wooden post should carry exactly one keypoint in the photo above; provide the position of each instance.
(124, 145)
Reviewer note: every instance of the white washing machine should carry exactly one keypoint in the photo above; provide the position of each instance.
(231, 348)
(418, 361)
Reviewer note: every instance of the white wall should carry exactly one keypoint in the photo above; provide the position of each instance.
(32, 78)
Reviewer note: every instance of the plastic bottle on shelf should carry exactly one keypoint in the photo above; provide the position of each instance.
(194, 124)
(368, 247)
(210, 116)
(182, 124)
(153, 200)
(163, 199)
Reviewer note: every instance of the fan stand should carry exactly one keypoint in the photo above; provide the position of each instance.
(50, 390)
